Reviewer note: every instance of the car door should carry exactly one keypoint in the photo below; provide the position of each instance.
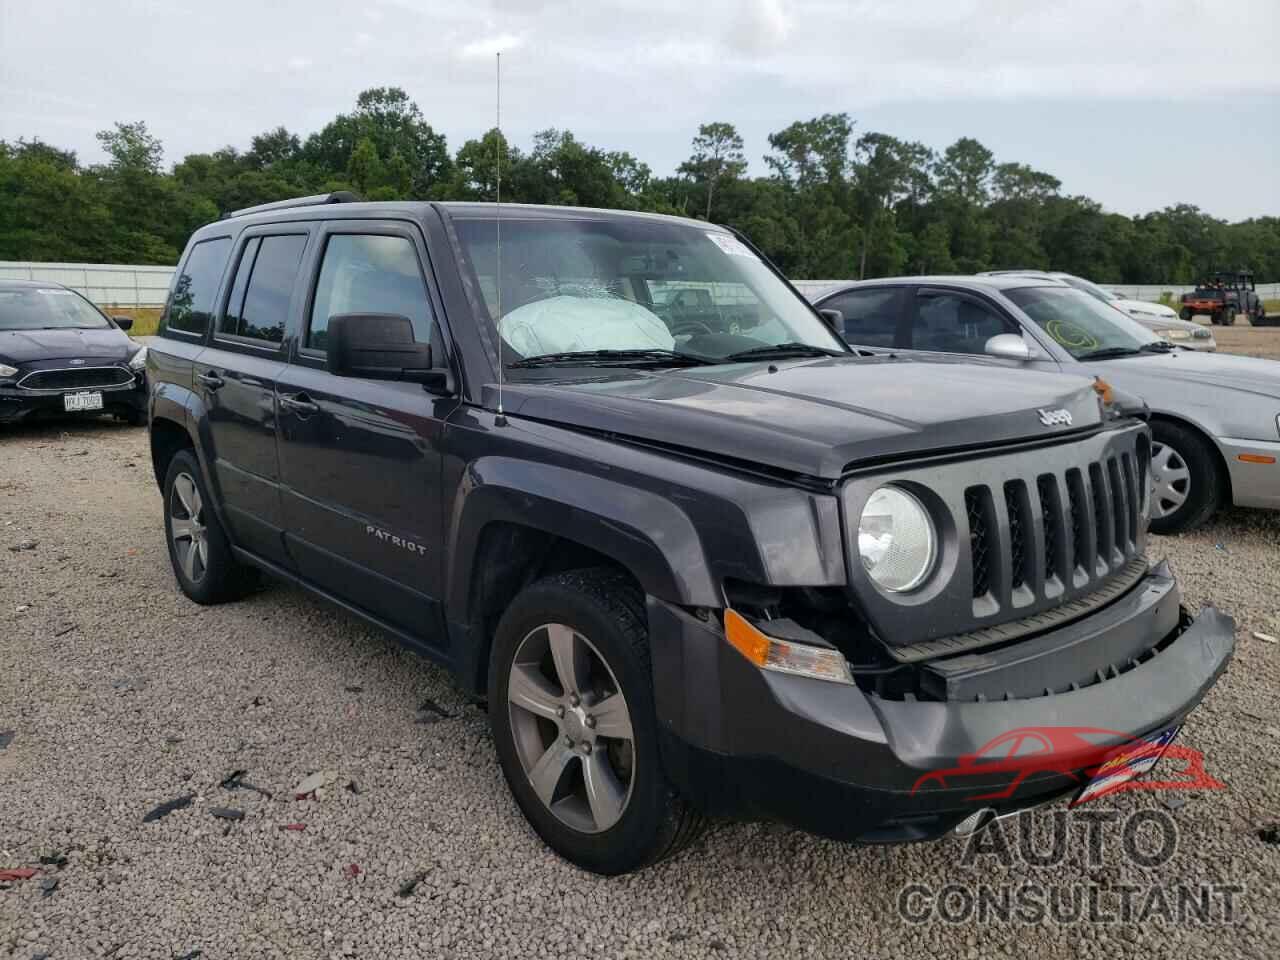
(236, 375)
(873, 316)
(361, 459)
(950, 321)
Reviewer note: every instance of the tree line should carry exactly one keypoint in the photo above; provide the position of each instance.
(834, 203)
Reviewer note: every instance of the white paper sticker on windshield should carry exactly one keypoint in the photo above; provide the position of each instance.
(731, 245)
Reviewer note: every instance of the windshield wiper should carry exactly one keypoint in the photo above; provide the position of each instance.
(649, 356)
(1158, 346)
(1108, 352)
(781, 351)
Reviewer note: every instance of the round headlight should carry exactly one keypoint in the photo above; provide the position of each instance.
(896, 540)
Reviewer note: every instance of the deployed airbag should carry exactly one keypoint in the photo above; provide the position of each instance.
(565, 324)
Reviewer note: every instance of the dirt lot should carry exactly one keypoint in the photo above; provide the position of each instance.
(1250, 341)
(120, 694)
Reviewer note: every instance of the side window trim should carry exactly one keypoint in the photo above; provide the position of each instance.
(235, 341)
(313, 265)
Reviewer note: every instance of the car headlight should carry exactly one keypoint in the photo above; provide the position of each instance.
(1175, 334)
(138, 362)
(8, 371)
(896, 540)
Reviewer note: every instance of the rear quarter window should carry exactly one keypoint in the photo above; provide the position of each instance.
(194, 288)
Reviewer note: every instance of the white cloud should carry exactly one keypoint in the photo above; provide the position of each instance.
(298, 64)
(488, 46)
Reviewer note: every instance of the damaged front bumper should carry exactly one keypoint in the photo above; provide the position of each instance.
(837, 760)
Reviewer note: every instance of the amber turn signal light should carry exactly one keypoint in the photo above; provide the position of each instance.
(784, 656)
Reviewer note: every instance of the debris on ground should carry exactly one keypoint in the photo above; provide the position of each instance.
(16, 873)
(65, 629)
(24, 545)
(58, 860)
(1172, 800)
(353, 688)
(235, 781)
(226, 813)
(313, 783)
(295, 827)
(351, 871)
(1265, 637)
(188, 956)
(353, 787)
(432, 712)
(410, 885)
(166, 808)
(129, 684)
(1270, 833)
(48, 885)
(6, 738)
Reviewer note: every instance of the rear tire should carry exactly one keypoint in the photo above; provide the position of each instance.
(1186, 485)
(1229, 316)
(206, 569)
(573, 642)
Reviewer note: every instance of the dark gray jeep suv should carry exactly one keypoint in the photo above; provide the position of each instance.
(699, 557)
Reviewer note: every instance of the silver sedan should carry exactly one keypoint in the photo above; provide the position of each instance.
(1215, 419)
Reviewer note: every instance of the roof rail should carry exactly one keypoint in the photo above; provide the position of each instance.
(339, 196)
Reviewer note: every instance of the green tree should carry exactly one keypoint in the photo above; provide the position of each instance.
(717, 156)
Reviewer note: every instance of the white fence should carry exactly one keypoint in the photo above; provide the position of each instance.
(1150, 291)
(106, 284)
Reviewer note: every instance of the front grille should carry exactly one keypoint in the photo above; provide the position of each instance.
(79, 378)
(1048, 543)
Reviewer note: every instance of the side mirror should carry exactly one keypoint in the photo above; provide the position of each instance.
(124, 323)
(376, 346)
(1008, 346)
(834, 319)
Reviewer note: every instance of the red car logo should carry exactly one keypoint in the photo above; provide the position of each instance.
(1076, 753)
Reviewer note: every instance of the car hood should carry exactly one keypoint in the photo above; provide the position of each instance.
(814, 417)
(25, 346)
(1146, 308)
(1150, 373)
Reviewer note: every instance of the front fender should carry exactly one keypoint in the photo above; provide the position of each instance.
(178, 404)
(642, 531)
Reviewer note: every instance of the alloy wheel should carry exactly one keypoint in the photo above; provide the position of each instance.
(1170, 481)
(187, 528)
(571, 727)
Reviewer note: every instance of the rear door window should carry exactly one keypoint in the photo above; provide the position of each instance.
(191, 299)
(954, 323)
(870, 316)
(259, 302)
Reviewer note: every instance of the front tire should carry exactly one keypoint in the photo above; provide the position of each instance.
(203, 563)
(1229, 316)
(1185, 313)
(1186, 486)
(571, 708)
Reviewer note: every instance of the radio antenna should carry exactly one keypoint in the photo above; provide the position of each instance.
(497, 165)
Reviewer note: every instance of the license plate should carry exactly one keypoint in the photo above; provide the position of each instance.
(1130, 762)
(82, 401)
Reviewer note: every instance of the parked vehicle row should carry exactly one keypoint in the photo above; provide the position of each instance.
(699, 556)
(60, 354)
(1215, 419)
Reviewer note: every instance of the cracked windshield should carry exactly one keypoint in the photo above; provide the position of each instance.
(584, 291)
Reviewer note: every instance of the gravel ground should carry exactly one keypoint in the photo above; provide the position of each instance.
(120, 695)
(1250, 341)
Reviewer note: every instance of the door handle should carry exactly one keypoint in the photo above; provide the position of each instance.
(298, 403)
(211, 380)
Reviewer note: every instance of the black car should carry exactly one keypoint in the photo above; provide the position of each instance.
(698, 556)
(60, 355)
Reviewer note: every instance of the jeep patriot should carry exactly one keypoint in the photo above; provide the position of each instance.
(699, 557)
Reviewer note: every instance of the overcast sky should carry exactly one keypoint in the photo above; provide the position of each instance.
(1136, 103)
